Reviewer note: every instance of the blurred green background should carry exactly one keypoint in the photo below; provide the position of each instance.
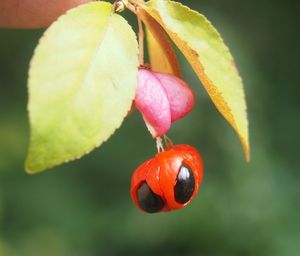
(84, 208)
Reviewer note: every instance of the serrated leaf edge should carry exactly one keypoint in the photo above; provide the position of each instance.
(96, 145)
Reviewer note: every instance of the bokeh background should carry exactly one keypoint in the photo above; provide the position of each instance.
(83, 208)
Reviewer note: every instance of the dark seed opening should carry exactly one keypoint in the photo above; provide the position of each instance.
(185, 185)
(148, 200)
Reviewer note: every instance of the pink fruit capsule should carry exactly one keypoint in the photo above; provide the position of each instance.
(180, 95)
(162, 99)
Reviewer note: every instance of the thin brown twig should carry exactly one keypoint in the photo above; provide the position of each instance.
(131, 7)
(137, 2)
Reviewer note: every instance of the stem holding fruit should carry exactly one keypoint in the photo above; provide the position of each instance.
(141, 35)
(120, 6)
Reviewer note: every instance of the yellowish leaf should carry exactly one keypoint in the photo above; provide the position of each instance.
(82, 81)
(161, 53)
(210, 58)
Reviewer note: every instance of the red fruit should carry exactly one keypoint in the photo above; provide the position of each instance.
(168, 181)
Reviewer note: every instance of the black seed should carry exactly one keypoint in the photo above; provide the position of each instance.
(148, 200)
(185, 185)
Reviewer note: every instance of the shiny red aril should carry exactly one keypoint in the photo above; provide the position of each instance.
(168, 181)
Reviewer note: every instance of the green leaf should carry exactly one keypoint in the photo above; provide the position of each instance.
(82, 81)
(206, 52)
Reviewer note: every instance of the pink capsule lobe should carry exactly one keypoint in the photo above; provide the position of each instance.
(152, 101)
(162, 99)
